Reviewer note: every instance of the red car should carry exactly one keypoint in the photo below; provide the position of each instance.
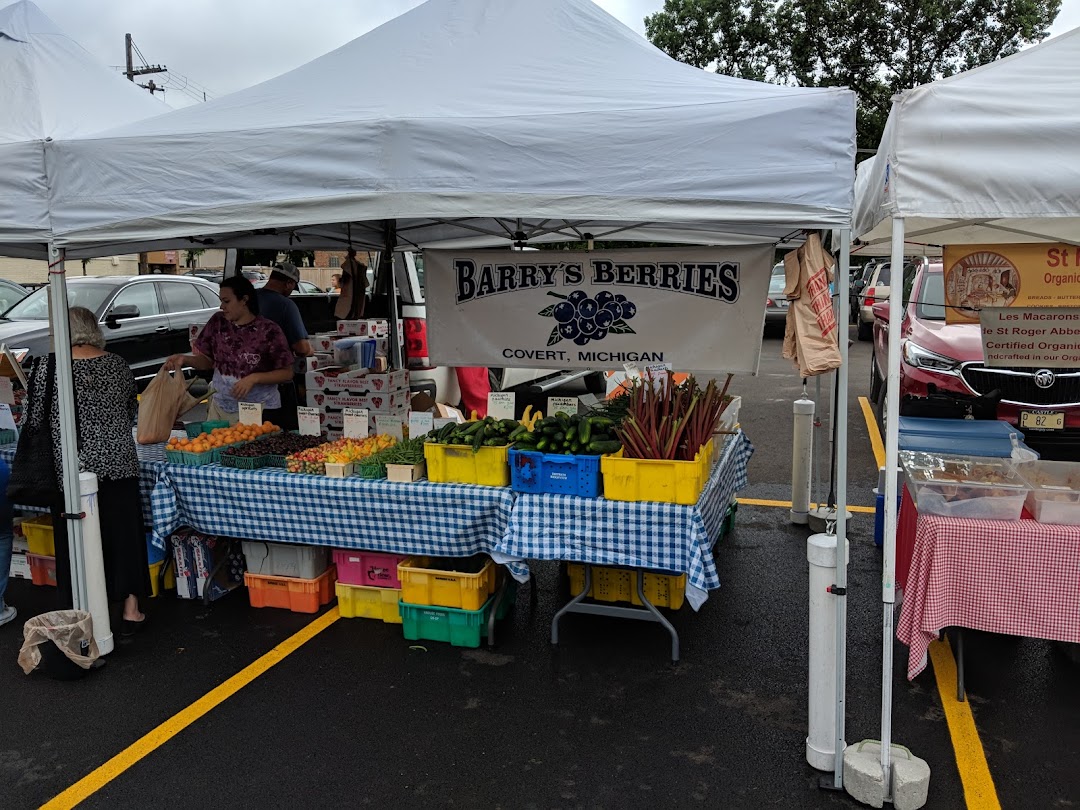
(942, 374)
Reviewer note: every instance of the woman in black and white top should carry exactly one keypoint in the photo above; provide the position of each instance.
(105, 408)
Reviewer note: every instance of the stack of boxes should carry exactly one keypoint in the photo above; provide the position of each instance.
(196, 559)
(292, 577)
(368, 586)
(448, 599)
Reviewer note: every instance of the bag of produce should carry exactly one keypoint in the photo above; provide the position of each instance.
(165, 399)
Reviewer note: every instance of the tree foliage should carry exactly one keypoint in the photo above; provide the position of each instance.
(875, 47)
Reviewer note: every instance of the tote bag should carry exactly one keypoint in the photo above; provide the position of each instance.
(33, 474)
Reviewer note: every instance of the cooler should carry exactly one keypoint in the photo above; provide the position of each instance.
(959, 437)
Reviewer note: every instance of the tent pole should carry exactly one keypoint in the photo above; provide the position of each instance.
(840, 415)
(389, 247)
(892, 447)
(65, 395)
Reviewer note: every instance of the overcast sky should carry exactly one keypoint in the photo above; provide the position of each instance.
(224, 46)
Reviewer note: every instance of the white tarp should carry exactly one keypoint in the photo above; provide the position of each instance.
(49, 88)
(699, 309)
(989, 155)
(456, 119)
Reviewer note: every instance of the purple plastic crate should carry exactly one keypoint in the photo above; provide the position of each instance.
(535, 472)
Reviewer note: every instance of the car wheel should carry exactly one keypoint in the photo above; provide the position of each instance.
(879, 409)
(875, 380)
(866, 331)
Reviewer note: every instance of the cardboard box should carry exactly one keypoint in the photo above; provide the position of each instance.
(20, 566)
(302, 365)
(389, 402)
(184, 567)
(324, 342)
(194, 330)
(334, 418)
(336, 380)
(406, 473)
(365, 327)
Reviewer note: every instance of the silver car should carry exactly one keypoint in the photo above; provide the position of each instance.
(776, 305)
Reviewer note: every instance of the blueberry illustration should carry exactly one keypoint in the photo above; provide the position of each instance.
(614, 308)
(587, 308)
(582, 340)
(604, 297)
(620, 298)
(569, 330)
(577, 296)
(604, 319)
(587, 326)
(629, 310)
(600, 334)
(564, 312)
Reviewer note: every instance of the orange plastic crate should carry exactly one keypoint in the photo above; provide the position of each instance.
(290, 593)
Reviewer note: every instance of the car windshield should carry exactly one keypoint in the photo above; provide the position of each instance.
(35, 307)
(777, 280)
(931, 304)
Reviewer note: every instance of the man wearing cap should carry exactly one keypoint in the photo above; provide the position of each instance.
(274, 304)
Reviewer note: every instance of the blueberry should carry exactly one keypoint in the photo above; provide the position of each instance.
(587, 308)
(600, 334)
(564, 312)
(577, 296)
(629, 310)
(620, 298)
(604, 319)
(587, 326)
(604, 297)
(614, 308)
(582, 340)
(569, 330)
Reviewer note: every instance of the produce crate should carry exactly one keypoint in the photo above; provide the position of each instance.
(38, 532)
(195, 428)
(646, 479)
(42, 569)
(532, 471)
(243, 462)
(406, 473)
(319, 468)
(288, 593)
(364, 602)
(461, 628)
(447, 582)
(371, 471)
(729, 519)
(274, 461)
(458, 464)
(369, 568)
(170, 578)
(8, 436)
(620, 585)
(336, 469)
(285, 559)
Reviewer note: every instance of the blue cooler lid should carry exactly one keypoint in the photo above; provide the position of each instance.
(968, 428)
(988, 447)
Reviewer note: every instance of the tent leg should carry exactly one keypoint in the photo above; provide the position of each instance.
(389, 247)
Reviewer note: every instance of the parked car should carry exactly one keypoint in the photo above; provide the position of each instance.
(876, 289)
(11, 294)
(942, 373)
(776, 305)
(857, 283)
(145, 318)
(303, 288)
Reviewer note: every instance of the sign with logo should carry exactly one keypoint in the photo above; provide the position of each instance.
(697, 309)
(979, 277)
(1043, 338)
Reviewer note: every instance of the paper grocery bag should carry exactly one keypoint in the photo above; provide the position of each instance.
(811, 332)
(164, 400)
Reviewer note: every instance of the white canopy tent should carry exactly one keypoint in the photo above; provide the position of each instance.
(986, 156)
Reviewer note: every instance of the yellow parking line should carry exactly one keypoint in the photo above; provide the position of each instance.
(979, 791)
(100, 777)
(869, 510)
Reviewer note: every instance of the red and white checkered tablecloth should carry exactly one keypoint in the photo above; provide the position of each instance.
(1018, 577)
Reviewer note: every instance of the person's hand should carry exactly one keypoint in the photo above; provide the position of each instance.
(174, 363)
(242, 387)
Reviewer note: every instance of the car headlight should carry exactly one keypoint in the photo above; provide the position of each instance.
(915, 355)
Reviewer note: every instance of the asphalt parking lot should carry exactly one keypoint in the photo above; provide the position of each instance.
(349, 713)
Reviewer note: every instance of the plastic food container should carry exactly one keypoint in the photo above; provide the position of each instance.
(463, 583)
(965, 486)
(1055, 490)
(620, 585)
(285, 559)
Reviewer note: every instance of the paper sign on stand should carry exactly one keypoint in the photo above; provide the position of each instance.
(7, 421)
(421, 423)
(308, 420)
(7, 393)
(658, 373)
(389, 425)
(632, 371)
(356, 423)
(441, 422)
(251, 413)
(568, 405)
(501, 404)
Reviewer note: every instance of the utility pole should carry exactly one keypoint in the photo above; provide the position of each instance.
(131, 72)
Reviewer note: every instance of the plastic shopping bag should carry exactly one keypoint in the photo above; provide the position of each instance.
(163, 401)
(60, 643)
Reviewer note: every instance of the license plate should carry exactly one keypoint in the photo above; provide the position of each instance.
(1042, 420)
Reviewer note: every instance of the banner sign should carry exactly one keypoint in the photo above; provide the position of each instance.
(1047, 337)
(698, 309)
(978, 277)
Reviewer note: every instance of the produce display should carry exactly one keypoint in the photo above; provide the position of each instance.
(569, 435)
(284, 444)
(486, 432)
(667, 421)
(221, 437)
(342, 451)
(410, 451)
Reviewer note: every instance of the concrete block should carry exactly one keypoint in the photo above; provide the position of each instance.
(910, 778)
(910, 781)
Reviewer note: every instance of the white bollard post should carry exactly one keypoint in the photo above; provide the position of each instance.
(96, 595)
(802, 446)
(821, 737)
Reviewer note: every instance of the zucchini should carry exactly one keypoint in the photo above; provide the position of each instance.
(603, 448)
(477, 441)
(472, 428)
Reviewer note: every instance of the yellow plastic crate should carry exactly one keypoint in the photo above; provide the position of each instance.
(646, 479)
(369, 602)
(620, 585)
(456, 464)
(39, 535)
(170, 578)
(432, 581)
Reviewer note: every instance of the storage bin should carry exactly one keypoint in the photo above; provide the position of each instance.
(42, 569)
(535, 472)
(965, 486)
(285, 559)
(1055, 490)
(646, 479)
(879, 515)
(461, 628)
(243, 462)
(38, 532)
(193, 429)
(289, 593)
(457, 464)
(620, 585)
(365, 602)
(155, 574)
(463, 583)
(369, 568)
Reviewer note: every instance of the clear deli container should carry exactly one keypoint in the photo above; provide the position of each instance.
(965, 486)
(1055, 490)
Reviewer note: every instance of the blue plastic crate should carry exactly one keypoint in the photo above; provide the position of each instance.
(534, 472)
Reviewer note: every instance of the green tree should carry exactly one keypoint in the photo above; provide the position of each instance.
(875, 47)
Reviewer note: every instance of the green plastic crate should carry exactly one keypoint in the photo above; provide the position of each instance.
(8, 436)
(195, 428)
(461, 628)
(243, 462)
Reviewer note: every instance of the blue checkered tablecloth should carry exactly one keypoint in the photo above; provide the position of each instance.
(446, 520)
(148, 476)
(658, 536)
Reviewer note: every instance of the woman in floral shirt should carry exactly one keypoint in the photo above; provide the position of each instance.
(248, 354)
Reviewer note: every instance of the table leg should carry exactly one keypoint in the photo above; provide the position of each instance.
(569, 606)
(960, 692)
(500, 594)
(659, 617)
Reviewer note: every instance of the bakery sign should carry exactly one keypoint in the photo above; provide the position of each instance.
(698, 309)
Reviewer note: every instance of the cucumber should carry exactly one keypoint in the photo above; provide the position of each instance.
(559, 437)
(575, 446)
(585, 431)
(550, 430)
(601, 422)
(528, 438)
(603, 448)
(542, 444)
(601, 437)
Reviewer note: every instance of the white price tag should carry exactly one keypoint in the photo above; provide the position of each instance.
(441, 421)
(568, 405)
(421, 423)
(632, 371)
(250, 413)
(356, 423)
(7, 421)
(7, 393)
(389, 426)
(308, 418)
(501, 404)
(658, 373)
